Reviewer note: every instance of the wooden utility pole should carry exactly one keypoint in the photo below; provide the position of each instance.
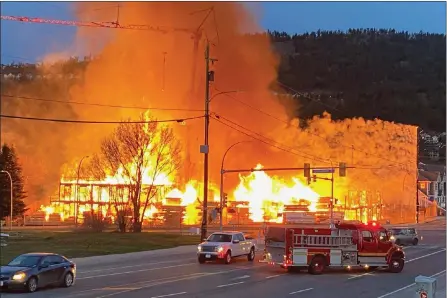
(205, 148)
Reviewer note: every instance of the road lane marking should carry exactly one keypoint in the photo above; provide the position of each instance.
(301, 291)
(169, 295)
(360, 275)
(427, 255)
(241, 277)
(133, 266)
(409, 286)
(135, 271)
(156, 282)
(409, 261)
(232, 284)
(118, 288)
(272, 276)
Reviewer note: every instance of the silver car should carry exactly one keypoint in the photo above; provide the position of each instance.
(404, 236)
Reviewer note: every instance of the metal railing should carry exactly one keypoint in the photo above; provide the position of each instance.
(322, 240)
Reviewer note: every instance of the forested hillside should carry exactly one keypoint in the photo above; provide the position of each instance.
(395, 76)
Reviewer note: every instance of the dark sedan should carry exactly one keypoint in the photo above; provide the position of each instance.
(36, 270)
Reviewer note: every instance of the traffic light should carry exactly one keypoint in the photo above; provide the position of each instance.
(225, 200)
(342, 169)
(307, 170)
(315, 178)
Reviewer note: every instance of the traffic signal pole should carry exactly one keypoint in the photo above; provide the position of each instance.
(342, 168)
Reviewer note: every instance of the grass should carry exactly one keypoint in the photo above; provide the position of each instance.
(84, 244)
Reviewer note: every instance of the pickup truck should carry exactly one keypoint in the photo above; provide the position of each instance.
(225, 246)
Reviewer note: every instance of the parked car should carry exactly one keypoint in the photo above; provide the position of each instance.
(225, 246)
(404, 236)
(36, 270)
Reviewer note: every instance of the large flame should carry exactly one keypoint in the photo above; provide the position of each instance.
(267, 196)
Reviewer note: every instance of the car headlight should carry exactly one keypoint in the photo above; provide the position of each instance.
(219, 249)
(19, 276)
(199, 248)
(392, 238)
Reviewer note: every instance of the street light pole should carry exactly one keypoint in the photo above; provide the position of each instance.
(222, 172)
(11, 194)
(77, 191)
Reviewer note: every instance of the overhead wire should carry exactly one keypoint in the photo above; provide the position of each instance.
(179, 120)
(98, 104)
(350, 147)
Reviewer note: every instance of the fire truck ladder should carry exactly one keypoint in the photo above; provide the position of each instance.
(322, 240)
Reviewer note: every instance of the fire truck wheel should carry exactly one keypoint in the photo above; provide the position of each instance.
(228, 257)
(396, 265)
(251, 255)
(317, 265)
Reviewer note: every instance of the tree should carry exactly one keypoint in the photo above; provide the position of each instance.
(139, 155)
(9, 162)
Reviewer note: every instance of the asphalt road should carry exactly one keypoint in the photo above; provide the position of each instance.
(181, 276)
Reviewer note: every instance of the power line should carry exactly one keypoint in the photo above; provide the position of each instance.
(350, 147)
(286, 149)
(98, 122)
(98, 104)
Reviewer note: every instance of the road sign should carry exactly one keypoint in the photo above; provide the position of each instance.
(323, 171)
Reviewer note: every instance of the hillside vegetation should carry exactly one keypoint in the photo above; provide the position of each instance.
(394, 76)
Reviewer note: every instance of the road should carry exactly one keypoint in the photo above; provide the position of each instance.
(181, 276)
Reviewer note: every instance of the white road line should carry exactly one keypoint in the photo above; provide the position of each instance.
(241, 277)
(133, 266)
(232, 284)
(409, 286)
(301, 291)
(156, 282)
(424, 256)
(272, 276)
(135, 271)
(169, 295)
(360, 275)
(408, 261)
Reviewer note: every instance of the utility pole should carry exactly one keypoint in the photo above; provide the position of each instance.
(417, 175)
(205, 148)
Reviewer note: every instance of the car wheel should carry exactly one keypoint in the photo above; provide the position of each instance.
(415, 241)
(228, 257)
(201, 260)
(68, 280)
(396, 265)
(317, 265)
(251, 255)
(31, 285)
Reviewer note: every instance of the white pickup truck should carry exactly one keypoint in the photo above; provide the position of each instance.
(225, 246)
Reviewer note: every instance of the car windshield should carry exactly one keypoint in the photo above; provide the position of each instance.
(396, 231)
(25, 261)
(219, 238)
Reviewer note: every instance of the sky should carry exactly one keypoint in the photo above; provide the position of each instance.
(30, 42)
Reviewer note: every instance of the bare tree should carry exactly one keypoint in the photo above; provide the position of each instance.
(140, 153)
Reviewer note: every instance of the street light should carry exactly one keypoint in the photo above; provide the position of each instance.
(221, 180)
(10, 180)
(77, 191)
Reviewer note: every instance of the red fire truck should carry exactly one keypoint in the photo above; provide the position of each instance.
(348, 245)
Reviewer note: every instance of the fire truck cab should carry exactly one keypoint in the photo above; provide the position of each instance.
(348, 245)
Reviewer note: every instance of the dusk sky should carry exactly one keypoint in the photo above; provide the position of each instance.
(29, 42)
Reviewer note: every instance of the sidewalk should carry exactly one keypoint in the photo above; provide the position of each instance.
(410, 292)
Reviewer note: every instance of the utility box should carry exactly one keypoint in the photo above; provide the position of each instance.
(425, 287)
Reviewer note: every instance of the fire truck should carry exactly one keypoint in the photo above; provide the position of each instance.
(348, 245)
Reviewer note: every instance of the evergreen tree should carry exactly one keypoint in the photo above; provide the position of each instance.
(9, 163)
